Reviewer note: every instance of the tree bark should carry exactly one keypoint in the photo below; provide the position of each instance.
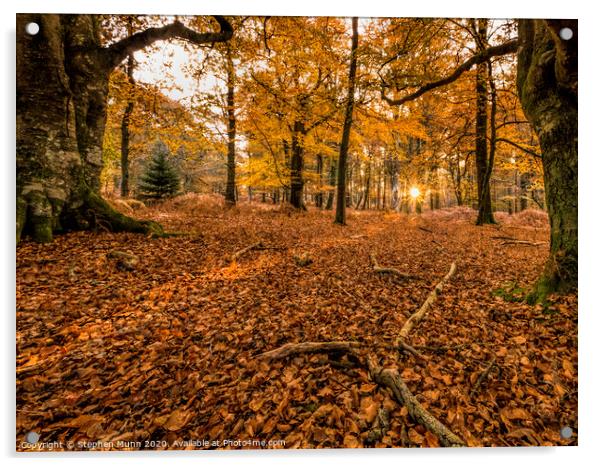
(547, 85)
(319, 168)
(125, 129)
(62, 88)
(485, 214)
(231, 163)
(366, 200)
(332, 179)
(340, 217)
(296, 198)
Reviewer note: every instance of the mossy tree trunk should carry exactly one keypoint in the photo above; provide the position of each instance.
(547, 85)
(62, 87)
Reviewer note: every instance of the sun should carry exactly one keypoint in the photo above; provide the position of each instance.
(414, 192)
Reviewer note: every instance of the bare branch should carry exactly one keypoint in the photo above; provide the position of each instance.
(120, 50)
(518, 146)
(498, 50)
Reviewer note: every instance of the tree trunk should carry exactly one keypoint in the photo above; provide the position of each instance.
(125, 130)
(485, 213)
(547, 85)
(524, 186)
(319, 168)
(62, 88)
(296, 182)
(366, 203)
(332, 179)
(395, 197)
(340, 217)
(231, 163)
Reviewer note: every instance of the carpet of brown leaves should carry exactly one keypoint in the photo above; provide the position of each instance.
(166, 353)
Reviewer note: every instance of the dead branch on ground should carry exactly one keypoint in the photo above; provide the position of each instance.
(244, 250)
(387, 378)
(378, 269)
(415, 318)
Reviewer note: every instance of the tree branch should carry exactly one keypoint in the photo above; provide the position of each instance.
(120, 50)
(498, 50)
(518, 146)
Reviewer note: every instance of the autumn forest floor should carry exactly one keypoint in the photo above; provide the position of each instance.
(167, 352)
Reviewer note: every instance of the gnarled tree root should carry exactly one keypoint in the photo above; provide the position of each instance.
(101, 213)
(41, 216)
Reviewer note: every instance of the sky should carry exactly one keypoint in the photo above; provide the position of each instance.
(167, 65)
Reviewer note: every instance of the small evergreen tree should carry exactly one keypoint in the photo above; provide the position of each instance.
(160, 180)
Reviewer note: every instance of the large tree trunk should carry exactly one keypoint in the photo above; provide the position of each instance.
(547, 85)
(62, 88)
(62, 85)
(231, 164)
(485, 213)
(344, 149)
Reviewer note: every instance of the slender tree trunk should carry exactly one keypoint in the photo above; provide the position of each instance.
(395, 184)
(340, 217)
(547, 85)
(319, 168)
(332, 179)
(287, 160)
(296, 179)
(231, 163)
(366, 204)
(524, 185)
(485, 214)
(125, 129)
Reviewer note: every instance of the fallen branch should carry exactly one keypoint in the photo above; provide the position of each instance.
(387, 378)
(402, 394)
(243, 251)
(415, 318)
(526, 243)
(482, 377)
(293, 349)
(410, 349)
(378, 269)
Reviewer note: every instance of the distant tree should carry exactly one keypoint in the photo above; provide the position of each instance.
(160, 179)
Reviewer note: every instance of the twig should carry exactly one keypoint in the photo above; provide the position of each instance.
(482, 377)
(415, 318)
(378, 269)
(526, 243)
(242, 251)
